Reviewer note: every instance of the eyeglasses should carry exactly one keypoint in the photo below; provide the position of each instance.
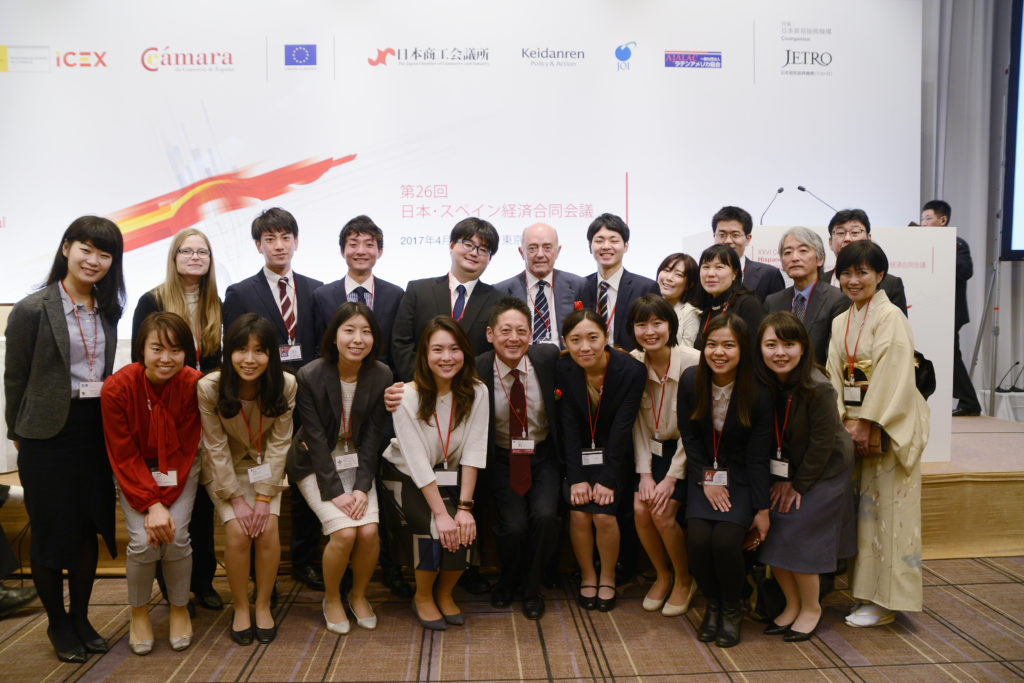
(471, 246)
(188, 252)
(856, 233)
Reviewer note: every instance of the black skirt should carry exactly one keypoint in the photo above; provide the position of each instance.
(69, 487)
(698, 505)
(660, 465)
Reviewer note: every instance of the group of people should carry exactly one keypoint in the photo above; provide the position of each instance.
(703, 414)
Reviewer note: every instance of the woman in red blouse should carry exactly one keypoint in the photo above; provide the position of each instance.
(152, 428)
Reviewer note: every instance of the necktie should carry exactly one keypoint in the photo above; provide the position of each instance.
(287, 309)
(460, 303)
(602, 301)
(519, 463)
(360, 295)
(799, 305)
(541, 315)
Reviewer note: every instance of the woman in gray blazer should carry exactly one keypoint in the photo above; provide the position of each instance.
(340, 404)
(60, 347)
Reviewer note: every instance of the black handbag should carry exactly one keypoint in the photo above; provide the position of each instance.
(924, 374)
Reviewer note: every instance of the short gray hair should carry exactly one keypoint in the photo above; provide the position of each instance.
(804, 236)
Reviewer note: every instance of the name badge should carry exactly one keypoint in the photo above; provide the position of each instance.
(447, 477)
(655, 447)
(593, 457)
(522, 446)
(713, 477)
(779, 468)
(259, 473)
(346, 461)
(853, 396)
(290, 352)
(89, 389)
(162, 480)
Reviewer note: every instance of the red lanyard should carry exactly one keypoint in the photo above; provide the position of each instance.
(259, 437)
(806, 303)
(661, 402)
(592, 421)
(95, 332)
(850, 359)
(711, 315)
(511, 408)
(444, 443)
(778, 434)
(716, 436)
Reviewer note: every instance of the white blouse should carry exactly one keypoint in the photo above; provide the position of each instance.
(663, 395)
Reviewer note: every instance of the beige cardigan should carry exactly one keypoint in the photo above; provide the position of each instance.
(227, 448)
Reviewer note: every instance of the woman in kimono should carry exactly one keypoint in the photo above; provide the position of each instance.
(871, 366)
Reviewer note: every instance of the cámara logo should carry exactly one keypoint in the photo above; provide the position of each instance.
(155, 59)
(382, 57)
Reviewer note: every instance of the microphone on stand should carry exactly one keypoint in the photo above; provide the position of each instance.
(1017, 379)
(774, 197)
(1011, 387)
(804, 189)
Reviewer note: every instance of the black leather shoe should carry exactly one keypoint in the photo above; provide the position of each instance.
(587, 602)
(90, 639)
(69, 650)
(473, 583)
(792, 636)
(245, 636)
(501, 597)
(533, 608)
(605, 604)
(310, 576)
(396, 583)
(729, 629)
(266, 635)
(966, 412)
(209, 599)
(709, 624)
(13, 598)
(773, 629)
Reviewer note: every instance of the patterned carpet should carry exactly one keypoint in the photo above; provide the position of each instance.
(972, 629)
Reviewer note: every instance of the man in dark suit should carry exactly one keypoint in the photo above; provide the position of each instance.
(613, 289)
(817, 303)
(549, 293)
(286, 300)
(937, 212)
(523, 476)
(850, 225)
(362, 243)
(458, 293)
(733, 226)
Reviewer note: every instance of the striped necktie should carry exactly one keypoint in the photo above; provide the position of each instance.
(287, 309)
(602, 301)
(542, 316)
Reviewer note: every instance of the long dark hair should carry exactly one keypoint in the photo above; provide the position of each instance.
(722, 253)
(350, 309)
(462, 383)
(789, 328)
(692, 289)
(172, 330)
(744, 391)
(103, 234)
(271, 391)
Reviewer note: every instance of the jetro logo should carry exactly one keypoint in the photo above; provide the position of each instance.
(81, 59)
(623, 53)
(382, 57)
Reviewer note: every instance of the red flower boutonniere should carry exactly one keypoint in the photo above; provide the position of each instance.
(577, 306)
(558, 393)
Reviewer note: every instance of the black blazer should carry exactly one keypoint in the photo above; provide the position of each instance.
(318, 403)
(386, 297)
(746, 306)
(744, 451)
(567, 291)
(148, 304)
(543, 357)
(825, 304)
(631, 288)
(816, 443)
(424, 299)
(253, 295)
(964, 272)
(762, 279)
(620, 402)
(890, 284)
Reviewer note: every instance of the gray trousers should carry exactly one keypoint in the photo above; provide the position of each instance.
(176, 556)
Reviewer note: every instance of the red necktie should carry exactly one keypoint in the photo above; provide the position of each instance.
(519, 463)
(287, 312)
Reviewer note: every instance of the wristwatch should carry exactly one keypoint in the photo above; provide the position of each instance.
(466, 504)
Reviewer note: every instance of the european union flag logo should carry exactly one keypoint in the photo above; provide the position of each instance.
(300, 55)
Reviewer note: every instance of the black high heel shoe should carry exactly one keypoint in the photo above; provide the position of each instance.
(69, 650)
(774, 629)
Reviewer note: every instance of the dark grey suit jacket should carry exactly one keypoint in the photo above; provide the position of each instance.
(318, 403)
(825, 304)
(890, 284)
(762, 279)
(424, 299)
(543, 358)
(386, 297)
(37, 365)
(567, 291)
(253, 295)
(631, 288)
